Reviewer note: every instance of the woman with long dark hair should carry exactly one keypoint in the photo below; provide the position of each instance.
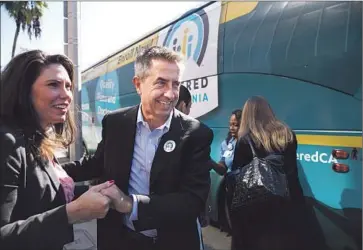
(37, 202)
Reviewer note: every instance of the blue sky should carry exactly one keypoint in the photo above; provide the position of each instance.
(105, 27)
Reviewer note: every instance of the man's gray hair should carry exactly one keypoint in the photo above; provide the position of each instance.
(144, 59)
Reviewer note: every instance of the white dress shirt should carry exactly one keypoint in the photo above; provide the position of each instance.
(146, 144)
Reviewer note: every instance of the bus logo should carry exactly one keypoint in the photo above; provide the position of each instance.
(189, 36)
(195, 37)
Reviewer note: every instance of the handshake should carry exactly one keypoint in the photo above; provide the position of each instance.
(95, 203)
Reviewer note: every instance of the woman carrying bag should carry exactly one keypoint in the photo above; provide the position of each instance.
(267, 193)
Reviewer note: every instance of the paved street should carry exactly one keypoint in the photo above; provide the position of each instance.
(215, 240)
(85, 238)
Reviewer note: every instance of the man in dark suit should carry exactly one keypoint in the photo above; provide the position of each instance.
(159, 159)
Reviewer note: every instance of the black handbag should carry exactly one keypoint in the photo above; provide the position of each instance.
(261, 181)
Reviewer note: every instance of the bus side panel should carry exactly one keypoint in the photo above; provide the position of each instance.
(336, 197)
(297, 103)
(309, 41)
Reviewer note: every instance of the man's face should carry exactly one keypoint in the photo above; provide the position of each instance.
(159, 90)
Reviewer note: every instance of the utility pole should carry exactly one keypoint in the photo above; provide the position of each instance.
(71, 41)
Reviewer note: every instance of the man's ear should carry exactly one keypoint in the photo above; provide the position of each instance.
(183, 106)
(179, 106)
(136, 81)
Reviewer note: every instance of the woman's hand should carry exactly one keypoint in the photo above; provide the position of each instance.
(91, 205)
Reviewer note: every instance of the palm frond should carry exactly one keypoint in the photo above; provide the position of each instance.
(27, 15)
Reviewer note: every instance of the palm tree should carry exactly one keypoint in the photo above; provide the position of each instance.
(27, 15)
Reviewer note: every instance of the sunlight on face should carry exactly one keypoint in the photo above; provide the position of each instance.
(159, 90)
(52, 95)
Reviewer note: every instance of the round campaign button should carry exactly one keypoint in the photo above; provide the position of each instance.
(169, 146)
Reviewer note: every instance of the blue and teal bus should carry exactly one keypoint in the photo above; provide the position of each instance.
(305, 58)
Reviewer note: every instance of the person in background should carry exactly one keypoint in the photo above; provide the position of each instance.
(225, 164)
(268, 226)
(229, 144)
(227, 147)
(184, 103)
(37, 203)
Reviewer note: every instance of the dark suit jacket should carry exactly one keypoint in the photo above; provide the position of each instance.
(179, 180)
(32, 204)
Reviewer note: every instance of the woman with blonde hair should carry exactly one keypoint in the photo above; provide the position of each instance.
(266, 226)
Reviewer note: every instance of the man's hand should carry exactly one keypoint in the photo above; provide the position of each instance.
(120, 202)
(90, 205)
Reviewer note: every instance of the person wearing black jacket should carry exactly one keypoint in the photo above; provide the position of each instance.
(38, 205)
(266, 226)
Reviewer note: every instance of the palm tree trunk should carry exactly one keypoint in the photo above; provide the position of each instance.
(15, 39)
